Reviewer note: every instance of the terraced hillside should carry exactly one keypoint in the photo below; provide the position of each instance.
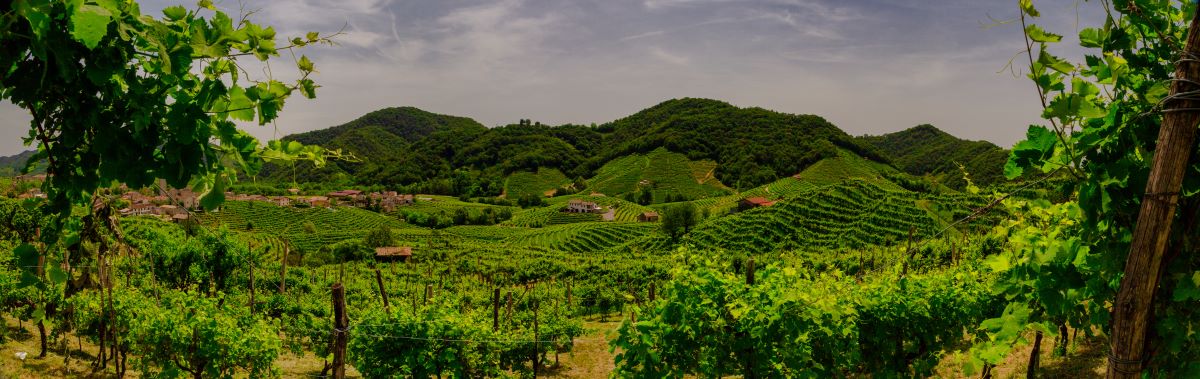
(663, 172)
(583, 237)
(306, 229)
(552, 214)
(856, 213)
(540, 183)
(829, 171)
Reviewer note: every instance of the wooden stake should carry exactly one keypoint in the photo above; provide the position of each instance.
(1143, 266)
(339, 331)
(382, 292)
(750, 271)
(495, 309)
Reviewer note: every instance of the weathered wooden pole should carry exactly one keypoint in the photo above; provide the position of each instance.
(496, 309)
(1143, 266)
(382, 292)
(339, 331)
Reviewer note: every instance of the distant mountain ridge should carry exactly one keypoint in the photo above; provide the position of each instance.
(927, 150)
(411, 149)
(12, 165)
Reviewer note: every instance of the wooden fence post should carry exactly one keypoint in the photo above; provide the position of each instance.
(339, 331)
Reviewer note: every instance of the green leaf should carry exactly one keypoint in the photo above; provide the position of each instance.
(1092, 37)
(175, 12)
(1027, 8)
(308, 88)
(27, 256)
(215, 196)
(240, 106)
(1037, 34)
(1055, 63)
(313, 36)
(305, 64)
(89, 24)
(39, 20)
(57, 274)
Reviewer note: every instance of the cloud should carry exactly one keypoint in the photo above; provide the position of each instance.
(869, 66)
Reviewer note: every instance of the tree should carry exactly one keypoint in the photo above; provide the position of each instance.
(380, 237)
(678, 220)
(115, 95)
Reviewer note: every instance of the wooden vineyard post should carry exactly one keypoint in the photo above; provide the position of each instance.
(1143, 266)
(750, 271)
(953, 254)
(495, 309)
(339, 331)
(382, 292)
(651, 291)
(428, 293)
(569, 293)
(508, 311)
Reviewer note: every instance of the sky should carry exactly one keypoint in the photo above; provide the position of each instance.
(867, 66)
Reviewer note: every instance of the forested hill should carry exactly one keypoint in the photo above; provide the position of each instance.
(12, 165)
(752, 146)
(721, 145)
(925, 149)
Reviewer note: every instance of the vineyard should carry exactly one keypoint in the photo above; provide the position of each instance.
(534, 183)
(660, 171)
(820, 259)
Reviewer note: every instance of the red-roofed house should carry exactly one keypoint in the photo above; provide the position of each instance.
(754, 202)
(393, 253)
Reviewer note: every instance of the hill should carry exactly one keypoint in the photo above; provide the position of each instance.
(679, 149)
(663, 173)
(855, 213)
(927, 150)
(12, 165)
(751, 146)
(406, 144)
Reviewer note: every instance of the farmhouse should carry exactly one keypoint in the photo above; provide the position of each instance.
(316, 201)
(282, 201)
(140, 209)
(648, 217)
(393, 253)
(754, 202)
(345, 194)
(580, 206)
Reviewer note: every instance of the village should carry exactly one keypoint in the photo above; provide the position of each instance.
(177, 204)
